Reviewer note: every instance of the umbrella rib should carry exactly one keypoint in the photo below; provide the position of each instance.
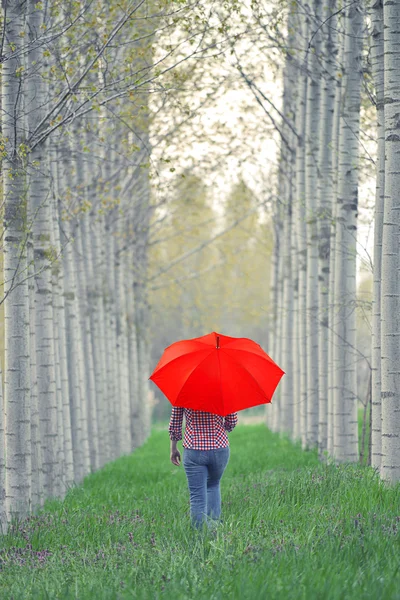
(177, 358)
(266, 357)
(198, 364)
(251, 375)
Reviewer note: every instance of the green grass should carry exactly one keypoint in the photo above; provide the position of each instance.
(293, 529)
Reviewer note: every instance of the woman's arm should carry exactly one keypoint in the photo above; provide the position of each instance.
(231, 421)
(175, 424)
(175, 432)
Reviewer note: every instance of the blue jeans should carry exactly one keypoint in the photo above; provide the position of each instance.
(204, 469)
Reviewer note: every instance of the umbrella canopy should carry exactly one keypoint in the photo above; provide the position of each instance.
(216, 373)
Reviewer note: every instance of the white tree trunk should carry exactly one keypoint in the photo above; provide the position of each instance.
(94, 269)
(3, 514)
(117, 307)
(390, 281)
(99, 347)
(332, 298)
(89, 394)
(287, 392)
(278, 302)
(80, 442)
(39, 197)
(93, 342)
(345, 375)
(377, 61)
(16, 301)
(59, 310)
(312, 136)
(300, 223)
(84, 315)
(38, 492)
(325, 198)
(112, 366)
(122, 335)
(288, 162)
(268, 414)
(141, 304)
(134, 363)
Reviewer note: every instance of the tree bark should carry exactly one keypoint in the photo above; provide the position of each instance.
(325, 198)
(312, 136)
(300, 224)
(332, 255)
(390, 291)
(377, 61)
(39, 197)
(16, 296)
(345, 376)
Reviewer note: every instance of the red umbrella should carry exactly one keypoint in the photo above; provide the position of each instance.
(216, 373)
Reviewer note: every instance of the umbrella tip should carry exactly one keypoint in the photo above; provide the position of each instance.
(217, 341)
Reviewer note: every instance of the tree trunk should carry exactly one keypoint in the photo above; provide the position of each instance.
(39, 197)
(345, 376)
(300, 224)
(3, 514)
(325, 198)
(377, 61)
(16, 300)
(38, 493)
(80, 442)
(312, 136)
(390, 298)
(59, 308)
(84, 312)
(288, 161)
(332, 297)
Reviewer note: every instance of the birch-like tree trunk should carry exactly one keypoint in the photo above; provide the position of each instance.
(89, 394)
(39, 197)
(300, 224)
(16, 297)
(345, 375)
(131, 276)
(3, 514)
(390, 280)
(277, 299)
(80, 442)
(133, 350)
(332, 297)
(141, 229)
(121, 271)
(111, 349)
(312, 137)
(142, 316)
(95, 274)
(38, 493)
(288, 160)
(93, 343)
(60, 318)
(325, 198)
(84, 310)
(377, 61)
(121, 415)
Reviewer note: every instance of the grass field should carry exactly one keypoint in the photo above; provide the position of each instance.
(293, 529)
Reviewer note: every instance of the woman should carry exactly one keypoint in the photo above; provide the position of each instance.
(204, 459)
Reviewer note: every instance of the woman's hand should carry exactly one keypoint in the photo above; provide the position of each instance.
(175, 457)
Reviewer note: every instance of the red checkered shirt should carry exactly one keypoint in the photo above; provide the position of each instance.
(203, 430)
